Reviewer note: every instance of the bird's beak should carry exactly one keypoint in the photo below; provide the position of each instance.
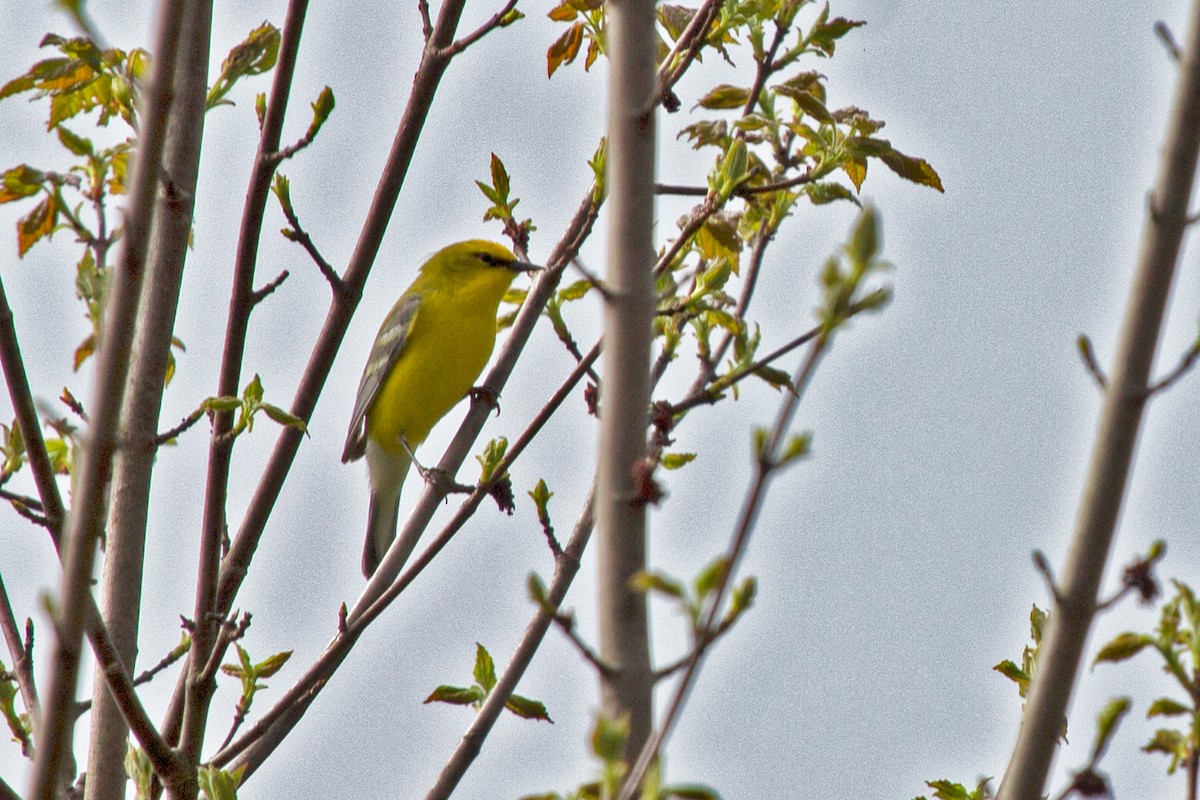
(524, 266)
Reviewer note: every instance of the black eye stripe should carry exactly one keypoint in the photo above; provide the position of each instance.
(490, 259)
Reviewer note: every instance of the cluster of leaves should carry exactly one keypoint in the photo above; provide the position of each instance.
(251, 674)
(84, 78)
(694, 602)
(608, 747)
(1176, 641)
(485, 680)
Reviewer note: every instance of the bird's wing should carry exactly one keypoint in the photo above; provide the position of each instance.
(389, 344)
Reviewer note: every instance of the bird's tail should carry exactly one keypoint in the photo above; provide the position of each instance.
(381, 530)
(387, 471)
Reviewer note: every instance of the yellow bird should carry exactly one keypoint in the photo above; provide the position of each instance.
(430, 349)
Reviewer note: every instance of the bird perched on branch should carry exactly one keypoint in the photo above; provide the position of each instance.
(430, 349)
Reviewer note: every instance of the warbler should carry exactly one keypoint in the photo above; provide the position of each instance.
(429, 350)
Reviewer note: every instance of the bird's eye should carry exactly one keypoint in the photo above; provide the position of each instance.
(489, 259)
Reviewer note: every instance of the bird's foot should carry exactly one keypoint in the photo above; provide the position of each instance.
(442, 480)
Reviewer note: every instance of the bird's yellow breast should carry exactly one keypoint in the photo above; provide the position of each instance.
(449, 344)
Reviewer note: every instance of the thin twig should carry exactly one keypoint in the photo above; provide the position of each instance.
(709, 396)
(741, 191)
(300, 236)
(426, 22)
(22, 665)
(474, 36)
(1186, 363)
(174, 433)
(262, 293)
(566, 623)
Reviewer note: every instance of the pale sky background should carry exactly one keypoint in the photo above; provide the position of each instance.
(951, 432)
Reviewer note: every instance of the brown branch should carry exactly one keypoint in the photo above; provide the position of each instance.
(474, 36)
(21, 398)
(86, 523)
(1185, 363)
(241, 303)
(566, 623)
(1088, 354)
(174, 433)
(1116, 438)
(741, 191)
(22, 660)
(267, 290)
(300, 236)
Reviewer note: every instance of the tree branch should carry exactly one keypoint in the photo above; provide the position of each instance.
(86, 520)
(1116, 439)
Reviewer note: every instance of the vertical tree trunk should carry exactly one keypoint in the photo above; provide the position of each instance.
(625, 400)
(130, 493)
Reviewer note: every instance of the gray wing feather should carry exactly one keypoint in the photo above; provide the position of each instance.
(389, 344)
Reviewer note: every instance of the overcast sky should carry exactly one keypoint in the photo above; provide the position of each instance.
(951, 432)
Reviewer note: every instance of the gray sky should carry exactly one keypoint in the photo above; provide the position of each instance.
(951, 432)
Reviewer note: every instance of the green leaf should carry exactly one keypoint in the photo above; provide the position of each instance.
(219, 784)
(322, 107)
(609, 737)
(724, 96)
(798, 446)
(277, 414)
(1166, 707)
(272, 664)
(485, 668)
(674, 461)
(254, 55)
(527, 708)
(822, 192)
(711, 576)
(457, 695)
(575, 291)
(1123, 647)
(1107, 721)
(19, 182)
(657, 582)
(1011, 671)
(73, 142)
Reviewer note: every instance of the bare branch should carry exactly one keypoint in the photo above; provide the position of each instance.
(474, 36)
(301, 237)
(27, 419)
(1185, 363)
(174, 433)
(426, 22)
(1116, 439)
(266, 291)
(22, 660)
(566, 623)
